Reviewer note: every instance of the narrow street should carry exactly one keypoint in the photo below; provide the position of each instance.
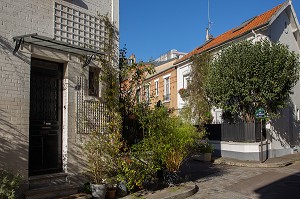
(244, 182)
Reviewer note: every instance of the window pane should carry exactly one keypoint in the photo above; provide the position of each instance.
(93, 81)
(156, 88)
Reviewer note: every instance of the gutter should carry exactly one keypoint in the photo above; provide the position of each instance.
(246, 33)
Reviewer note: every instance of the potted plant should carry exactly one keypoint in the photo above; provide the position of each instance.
(96, 164)
(205, 148)
(111, 187)
(104, 155)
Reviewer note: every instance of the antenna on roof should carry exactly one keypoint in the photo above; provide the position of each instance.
(208, 35)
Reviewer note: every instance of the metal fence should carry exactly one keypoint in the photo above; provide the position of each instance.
(239, 132)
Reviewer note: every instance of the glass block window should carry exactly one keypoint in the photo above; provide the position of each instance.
(78, 28)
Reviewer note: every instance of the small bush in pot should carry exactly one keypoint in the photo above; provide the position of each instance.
(204, 146)
(104, 155)
(205, 149)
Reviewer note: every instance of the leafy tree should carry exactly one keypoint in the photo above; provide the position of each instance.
(247, 75)
(132, 78)
(197, 108)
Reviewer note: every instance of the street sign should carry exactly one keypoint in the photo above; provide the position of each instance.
(260, 113)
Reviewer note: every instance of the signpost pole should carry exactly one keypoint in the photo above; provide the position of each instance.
(260, 114)
(261, 142)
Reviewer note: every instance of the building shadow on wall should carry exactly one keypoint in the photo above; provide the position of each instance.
(77, 162)
(8, 49)
(79, 3)
(14, 145)
(288, 187)
(286, 128)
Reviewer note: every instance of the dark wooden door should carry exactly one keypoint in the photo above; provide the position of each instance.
(45, 117)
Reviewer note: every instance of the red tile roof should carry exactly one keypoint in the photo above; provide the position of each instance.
(256, 22)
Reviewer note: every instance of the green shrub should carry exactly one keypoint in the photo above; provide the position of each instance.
(104, 152)
(136, 171)
(9, 182)
(167, 138)
(203, 146)
(167, 142)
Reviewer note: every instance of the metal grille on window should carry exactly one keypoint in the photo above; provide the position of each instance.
(91, 115)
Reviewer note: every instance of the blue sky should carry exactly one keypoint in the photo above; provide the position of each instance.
(150, 28)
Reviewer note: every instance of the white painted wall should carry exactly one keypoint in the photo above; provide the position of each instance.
(181, 72)
(284, 132)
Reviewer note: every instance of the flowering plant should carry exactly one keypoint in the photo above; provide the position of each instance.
(204, 146)
(183, 93)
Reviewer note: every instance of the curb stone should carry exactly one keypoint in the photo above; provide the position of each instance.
(231, 162)
(194, 189)
(181, 191)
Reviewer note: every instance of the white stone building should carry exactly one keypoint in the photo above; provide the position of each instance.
(170, 55)
(47, 81)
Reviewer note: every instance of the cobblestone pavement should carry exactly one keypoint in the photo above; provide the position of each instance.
(243, 182)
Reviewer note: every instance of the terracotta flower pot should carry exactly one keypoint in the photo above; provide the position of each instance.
(111, 193)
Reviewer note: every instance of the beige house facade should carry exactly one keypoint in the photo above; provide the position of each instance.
(162, 85)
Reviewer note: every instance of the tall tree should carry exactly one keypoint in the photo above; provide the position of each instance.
(248, 75)
(197, 109)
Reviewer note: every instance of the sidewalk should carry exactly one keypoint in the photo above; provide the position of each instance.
(269, 163)
(177, 192)
(193, 170)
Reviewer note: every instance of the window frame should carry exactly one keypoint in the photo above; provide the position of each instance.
(167, 87)
(156, 87)
(93, 81)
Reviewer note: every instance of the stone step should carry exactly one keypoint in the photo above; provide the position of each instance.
(53, 191)
(40, 181)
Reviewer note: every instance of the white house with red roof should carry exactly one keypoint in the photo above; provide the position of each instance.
(280, 24)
